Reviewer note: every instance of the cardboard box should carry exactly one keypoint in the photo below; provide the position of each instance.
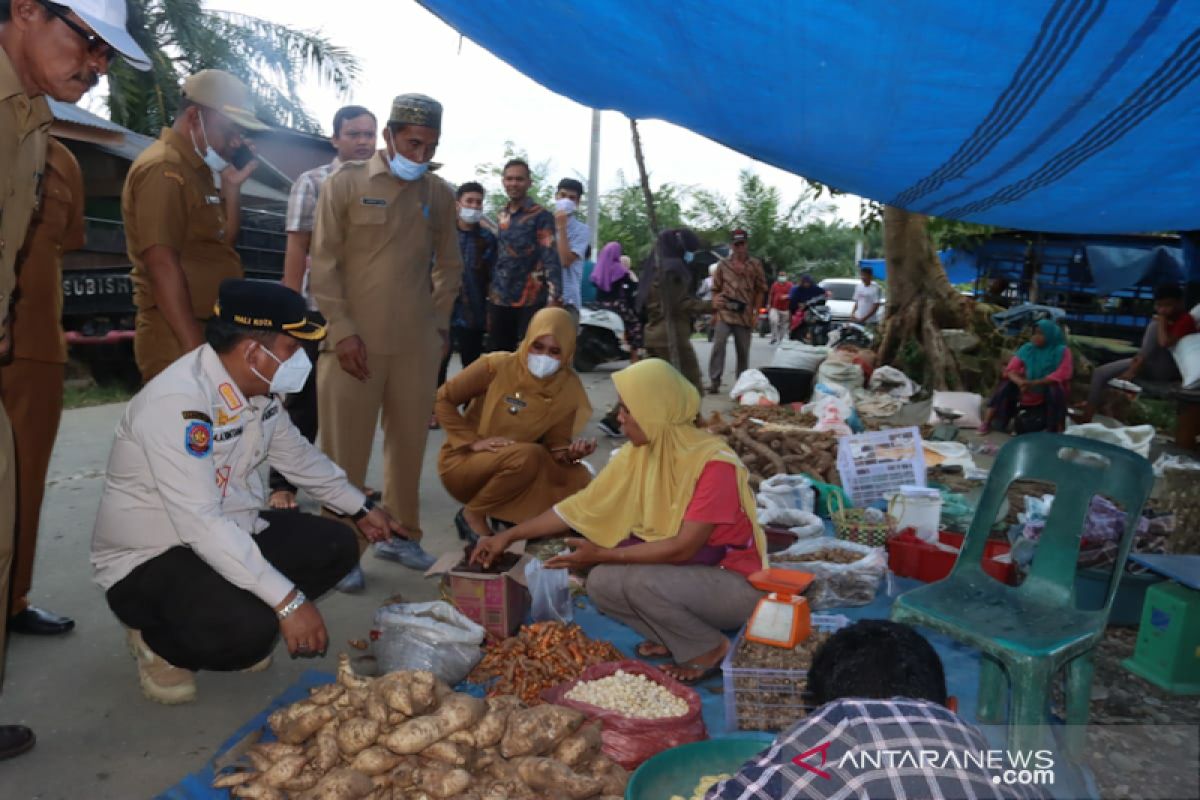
(499, 602)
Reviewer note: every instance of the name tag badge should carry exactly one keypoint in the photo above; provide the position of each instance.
(213, 199)
(515, 403)
(374, 201)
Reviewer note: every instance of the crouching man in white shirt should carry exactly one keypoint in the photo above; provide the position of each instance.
(190, 564)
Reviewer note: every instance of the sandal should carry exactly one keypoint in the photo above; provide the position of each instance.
(702, 672)
(276, 503)
(648, 649)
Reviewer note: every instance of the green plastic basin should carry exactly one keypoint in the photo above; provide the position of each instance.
(678, 770)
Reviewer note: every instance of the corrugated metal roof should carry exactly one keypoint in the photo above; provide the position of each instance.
(69, 112)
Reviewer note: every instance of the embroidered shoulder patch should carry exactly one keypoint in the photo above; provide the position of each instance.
(230, 396)
(198, 439)
(197, 415)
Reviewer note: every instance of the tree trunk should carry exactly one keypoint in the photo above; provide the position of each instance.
(921, 302)
(672, 337)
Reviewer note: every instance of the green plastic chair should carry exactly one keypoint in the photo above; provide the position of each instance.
(1033, 630)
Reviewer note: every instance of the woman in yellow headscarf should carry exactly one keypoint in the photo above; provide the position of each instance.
(670, 524)
(511, 454)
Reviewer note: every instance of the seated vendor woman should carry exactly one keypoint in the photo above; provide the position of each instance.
(669, 527)
(1035, 385)
(510, 454)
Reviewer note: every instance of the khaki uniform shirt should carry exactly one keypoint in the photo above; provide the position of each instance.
(385, 257)
(57, 228)
(170, 199)
(184, 470)
(24, 122)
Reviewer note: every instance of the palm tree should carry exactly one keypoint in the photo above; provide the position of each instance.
(182, 37)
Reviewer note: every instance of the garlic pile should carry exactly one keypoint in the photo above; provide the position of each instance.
(629, 695)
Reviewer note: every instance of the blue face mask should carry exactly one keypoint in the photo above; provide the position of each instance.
(688, 257)
(406, 170)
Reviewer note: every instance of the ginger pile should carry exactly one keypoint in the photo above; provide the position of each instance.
(408, 736)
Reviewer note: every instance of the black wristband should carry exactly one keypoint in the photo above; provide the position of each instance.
(367, 505)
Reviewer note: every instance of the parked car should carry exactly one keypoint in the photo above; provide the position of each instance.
(840, 294)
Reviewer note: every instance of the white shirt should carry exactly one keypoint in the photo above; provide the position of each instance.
(579, 236)
(865, 298)
(184, 471)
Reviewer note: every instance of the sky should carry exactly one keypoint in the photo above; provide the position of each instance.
(403, 48)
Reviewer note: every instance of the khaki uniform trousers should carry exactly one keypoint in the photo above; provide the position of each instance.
(32, 394)
(402, 387)
(514, 484)
(8, 518)
(154, 344)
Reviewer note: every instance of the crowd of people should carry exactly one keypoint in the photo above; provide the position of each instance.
(388, 271)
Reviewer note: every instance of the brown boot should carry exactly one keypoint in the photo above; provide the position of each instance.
(161, 681)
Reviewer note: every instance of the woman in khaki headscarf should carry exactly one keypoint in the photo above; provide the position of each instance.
(670, 522)
(511, 455)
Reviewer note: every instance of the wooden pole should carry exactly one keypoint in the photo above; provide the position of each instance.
(652, 215)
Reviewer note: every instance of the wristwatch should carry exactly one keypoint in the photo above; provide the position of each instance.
(367, 505)
(291, 607)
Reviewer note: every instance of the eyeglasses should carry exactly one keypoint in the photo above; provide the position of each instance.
(95, 45)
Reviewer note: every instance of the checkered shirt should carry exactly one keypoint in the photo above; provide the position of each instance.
(856, 729)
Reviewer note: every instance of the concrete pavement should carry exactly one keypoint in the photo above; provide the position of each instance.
(98, 738)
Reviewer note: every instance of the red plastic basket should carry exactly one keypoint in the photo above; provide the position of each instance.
(909, 557)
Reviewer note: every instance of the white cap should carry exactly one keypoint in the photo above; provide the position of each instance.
(107, 18)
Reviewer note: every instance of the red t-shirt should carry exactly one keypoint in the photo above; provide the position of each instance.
(1182, 326)
(717, 502)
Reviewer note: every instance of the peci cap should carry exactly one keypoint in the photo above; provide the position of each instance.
(267, 306)
(222, 92)
(108, 19)
(416, 109)
(739, 235)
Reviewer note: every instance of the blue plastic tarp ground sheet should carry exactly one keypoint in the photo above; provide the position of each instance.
(1074, 115)
(198, 785)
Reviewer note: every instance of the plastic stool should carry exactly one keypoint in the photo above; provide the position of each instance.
(1168, 643)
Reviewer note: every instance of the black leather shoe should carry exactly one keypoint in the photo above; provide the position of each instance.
(14, 740)
(39, 622)
(464, 529)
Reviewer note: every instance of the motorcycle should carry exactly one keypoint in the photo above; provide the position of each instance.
(811, 322)
(852, 333)
(601, 333)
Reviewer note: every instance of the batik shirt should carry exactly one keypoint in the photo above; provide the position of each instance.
(478, 248)
(877, 750)
(742, 281)
(527, 271)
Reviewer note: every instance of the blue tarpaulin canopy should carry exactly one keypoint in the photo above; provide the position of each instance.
(1048, 115)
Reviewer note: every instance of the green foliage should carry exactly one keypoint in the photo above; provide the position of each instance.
(490, 174)
(182, 37)
(624, 219)
(953, 233)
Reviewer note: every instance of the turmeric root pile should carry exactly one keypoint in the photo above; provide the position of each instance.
(776, 441)
(540, 656)
(407, 735)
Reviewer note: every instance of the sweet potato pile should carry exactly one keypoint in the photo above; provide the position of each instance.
(776, 441)
(540, 656)
(408, 736)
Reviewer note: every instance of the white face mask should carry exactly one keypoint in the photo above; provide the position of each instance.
(542, 366)
(211, 157)
(291, 374)
(565, 204)
(471, 216)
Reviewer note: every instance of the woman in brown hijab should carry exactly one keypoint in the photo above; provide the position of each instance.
(512, 453)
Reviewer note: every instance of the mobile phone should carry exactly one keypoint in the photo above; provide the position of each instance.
(242, 156)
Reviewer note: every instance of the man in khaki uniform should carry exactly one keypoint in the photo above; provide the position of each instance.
(45, 49)
(182, 206)
(386, 269)
(31, 385)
